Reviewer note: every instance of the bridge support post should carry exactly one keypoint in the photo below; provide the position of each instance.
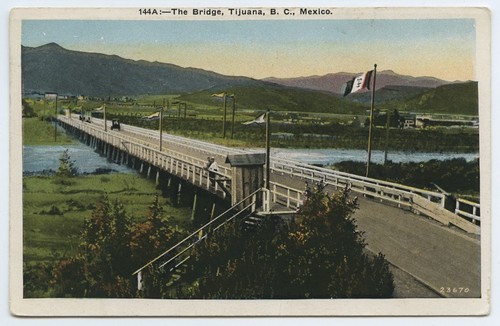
(193, 210)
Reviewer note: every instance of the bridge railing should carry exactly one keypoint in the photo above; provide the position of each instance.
(179, 253)
(380, 189)
(285, 196)
(185, 166)
(192, 144)
(468, 209)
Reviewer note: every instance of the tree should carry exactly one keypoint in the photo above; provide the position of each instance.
(148, 240)
(28, 110)
(101, 268)
(66, 166)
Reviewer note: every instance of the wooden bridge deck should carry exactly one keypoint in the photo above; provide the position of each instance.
(445, 259)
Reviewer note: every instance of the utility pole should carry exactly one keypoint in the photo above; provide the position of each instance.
(268, 150)
(234, 113)
(387, 125)
(105, 120)
(371, 122)
(185, 110)
(55, 122)
(224, 118)
(161, 124)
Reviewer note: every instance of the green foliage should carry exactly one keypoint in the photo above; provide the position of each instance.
(151, 237)
(38, 131)
(461, 98)
(454, 175)
(67, 167)
(101, 267)
(111, 248)
(36, 279)
(320, 256)
(28, 110)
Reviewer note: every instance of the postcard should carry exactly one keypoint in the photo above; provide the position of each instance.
(274, 161)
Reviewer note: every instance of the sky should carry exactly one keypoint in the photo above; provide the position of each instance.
(276, 48)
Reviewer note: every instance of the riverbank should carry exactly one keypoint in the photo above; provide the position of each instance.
(54, 209)
(37, 131)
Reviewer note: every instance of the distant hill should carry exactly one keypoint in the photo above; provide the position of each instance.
(280, 98)
(459, 98)
(389, 93)
(51, 68)
(335, 81)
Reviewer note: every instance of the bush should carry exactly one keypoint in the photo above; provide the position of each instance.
(54, 210)
(321, 256)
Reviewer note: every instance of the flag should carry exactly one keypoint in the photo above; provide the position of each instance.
(259, 120)
(222, 95)
(153, 116)
(358, 83)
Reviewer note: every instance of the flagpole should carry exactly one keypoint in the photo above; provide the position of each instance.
(387, 125)
(371, 122)
(268, 150)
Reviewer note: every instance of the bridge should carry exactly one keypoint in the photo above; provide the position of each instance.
(415, 228)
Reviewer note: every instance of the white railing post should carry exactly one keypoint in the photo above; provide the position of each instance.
(266, 205)
(139, 281)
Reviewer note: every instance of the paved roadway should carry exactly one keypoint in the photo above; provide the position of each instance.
(423, 252)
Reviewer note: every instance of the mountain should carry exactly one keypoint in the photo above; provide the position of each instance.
(459, 98)
(335, 81)
(51, 68)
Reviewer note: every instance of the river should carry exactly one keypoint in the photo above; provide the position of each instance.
(332, 156)
(38, 159)
(44, 158)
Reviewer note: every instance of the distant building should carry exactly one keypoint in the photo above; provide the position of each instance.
(49, 96)
(407, 121)
(425, 121)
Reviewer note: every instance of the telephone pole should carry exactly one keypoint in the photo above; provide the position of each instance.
(55, 121)
(224, 118)
(234, 113)
(161, 124)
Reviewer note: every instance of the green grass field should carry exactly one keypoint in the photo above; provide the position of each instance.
(38, 132)
(53, 213)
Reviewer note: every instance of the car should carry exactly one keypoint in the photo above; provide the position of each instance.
(115, 124)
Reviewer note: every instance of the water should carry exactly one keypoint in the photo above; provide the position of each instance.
(332, 156)
(45, 158)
